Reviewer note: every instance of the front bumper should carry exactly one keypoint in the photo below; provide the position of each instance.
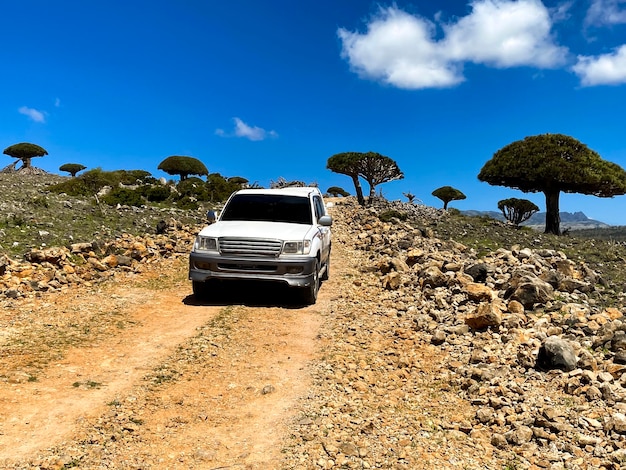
(296, 272)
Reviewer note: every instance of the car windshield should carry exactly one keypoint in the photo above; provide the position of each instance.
(269, 208)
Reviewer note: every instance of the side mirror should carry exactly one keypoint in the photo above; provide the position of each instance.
(211, 217)
(325, 220)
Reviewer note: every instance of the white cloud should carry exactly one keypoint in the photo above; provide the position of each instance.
(504, 34)
(399, 49)
(57, 102)
(605, 69)
(246, 131)
(34, 114)
(402, 50)
(606, 12)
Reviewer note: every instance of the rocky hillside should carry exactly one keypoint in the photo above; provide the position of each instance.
(522, 334)
(532, 340)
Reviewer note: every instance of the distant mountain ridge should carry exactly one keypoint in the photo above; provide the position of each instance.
(573, 221)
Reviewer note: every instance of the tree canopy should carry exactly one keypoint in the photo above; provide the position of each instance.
(183, 166)
(220, 188)
(25, 151)
(72, 168)
(377, 169)
(516, 210)
(347, 163)
(447, 194)
(553, 163)
(371, 166)
(336, 191)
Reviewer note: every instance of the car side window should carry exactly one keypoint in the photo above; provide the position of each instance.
(319, 207)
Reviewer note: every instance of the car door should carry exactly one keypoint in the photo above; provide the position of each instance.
(318, 204)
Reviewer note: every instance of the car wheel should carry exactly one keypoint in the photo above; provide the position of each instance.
(200, 289)
(309, 294)
(326, 274)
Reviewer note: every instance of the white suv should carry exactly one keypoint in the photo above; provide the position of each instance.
(280, 235)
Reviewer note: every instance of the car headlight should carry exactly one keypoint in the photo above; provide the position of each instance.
(205, 243)
(297, 248)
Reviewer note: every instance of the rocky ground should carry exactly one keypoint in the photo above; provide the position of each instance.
(438, 357)
(430, 351)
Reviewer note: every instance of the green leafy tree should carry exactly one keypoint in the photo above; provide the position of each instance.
(183, 166)
(25, 151)
(132, 177)
(239, 181)
(377, 169)
(193, 188)
(448, 194)
(158, 193)
(516, 210)
(87, 183)
(220, 188)
(551, 164)
(336, 191)
(347, 163)
(72, 168)
(124, 197)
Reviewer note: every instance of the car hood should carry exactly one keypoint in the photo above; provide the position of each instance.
(253, 229)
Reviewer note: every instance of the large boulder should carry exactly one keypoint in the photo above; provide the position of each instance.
(556, 353)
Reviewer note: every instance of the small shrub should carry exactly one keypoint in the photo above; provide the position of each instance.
(386, 216)
(186, 203)
(193, 188)
(40, 201)
(157, 193)
(133, 177)
(124, 197)
(87, 184)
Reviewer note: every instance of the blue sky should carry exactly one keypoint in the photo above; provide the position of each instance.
(270, 89)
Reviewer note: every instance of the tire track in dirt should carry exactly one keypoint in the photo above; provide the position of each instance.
(36, 415)
(229, 405)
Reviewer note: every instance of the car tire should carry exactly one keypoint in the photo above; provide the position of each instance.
(309, 293)
(326, 274)
(200, 289)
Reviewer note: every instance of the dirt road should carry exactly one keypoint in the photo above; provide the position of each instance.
(136, 374)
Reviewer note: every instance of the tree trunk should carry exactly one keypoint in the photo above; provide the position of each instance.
(358, 190)
(372, 192)
(445, 205)
(26, 162)
(553, 218)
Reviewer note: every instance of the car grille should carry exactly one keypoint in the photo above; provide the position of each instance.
(250, 247)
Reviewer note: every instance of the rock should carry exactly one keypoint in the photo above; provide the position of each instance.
(81, 247)
(161, 227)
(478, 292)
(393, 281)
(4, 263)
(520, 435)
(50, 255)
(617, 423)
(529, 290)
(439, 337)
(478, 272)
(414, 256)
(433, 277)
(556, 353)
(487, 314)
(111, 261)
(516, 307)
(572, 285)
(97, 264)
